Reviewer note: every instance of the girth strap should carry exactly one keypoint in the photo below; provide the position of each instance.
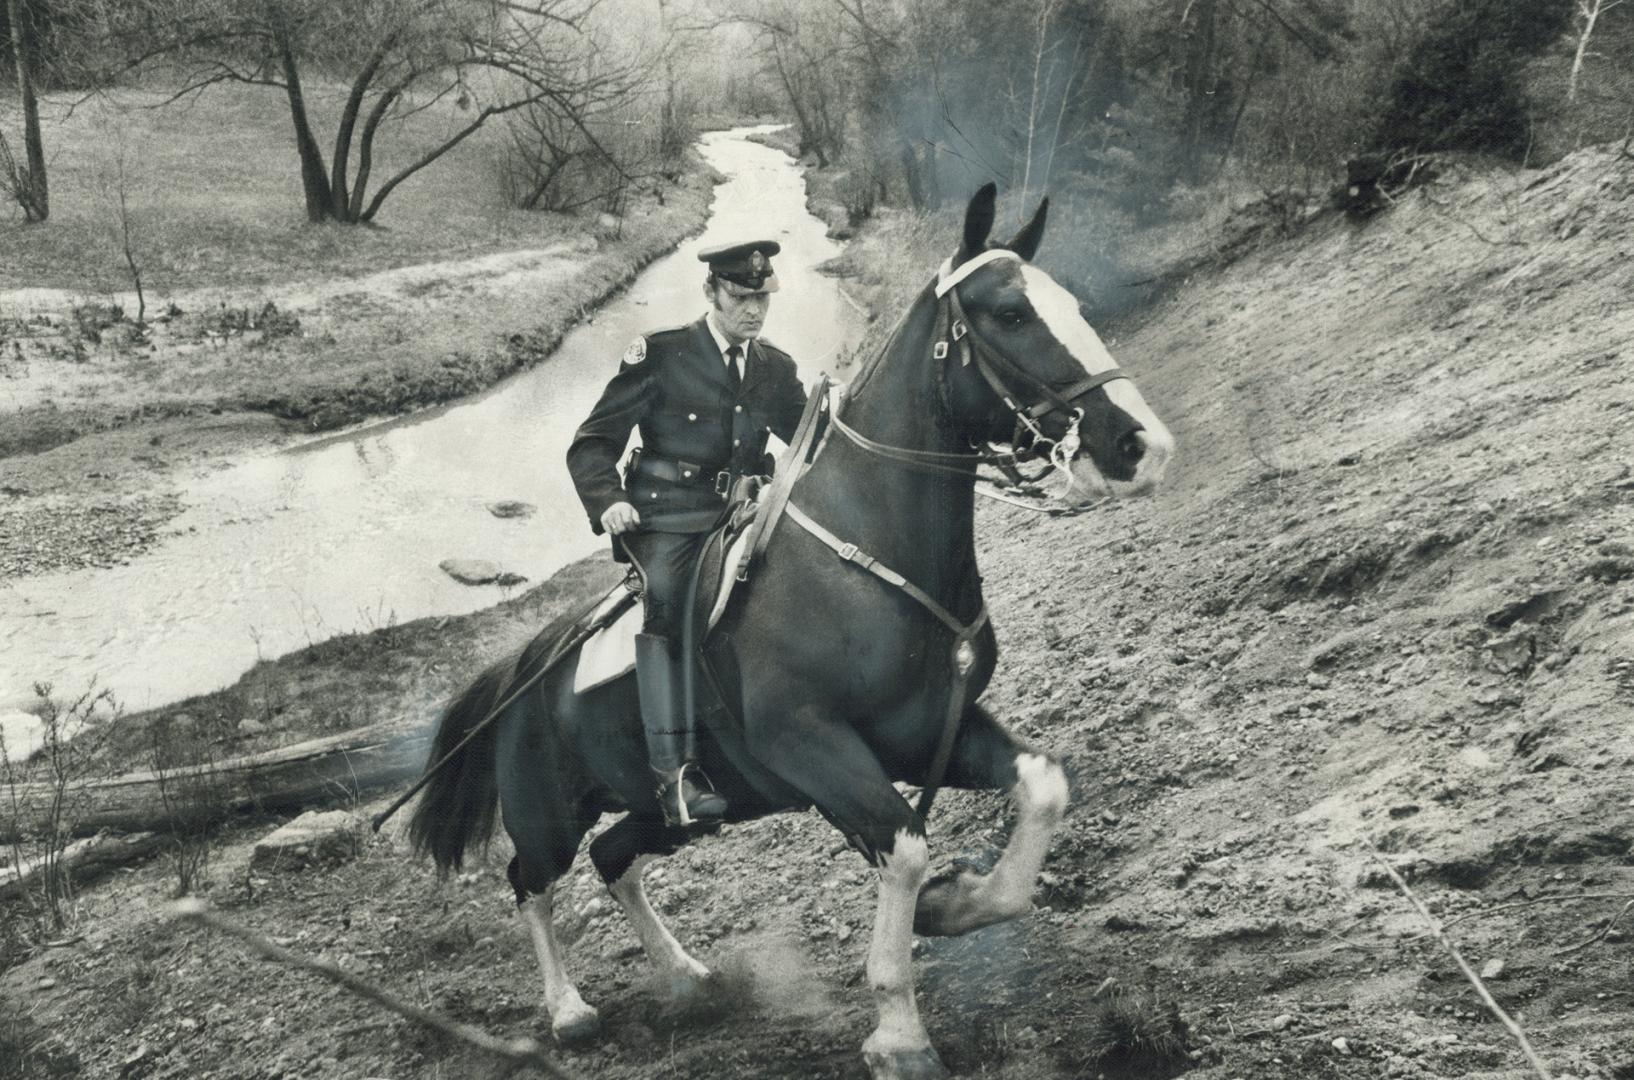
(961, 657)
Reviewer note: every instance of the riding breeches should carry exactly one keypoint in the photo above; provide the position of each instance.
(665, 561)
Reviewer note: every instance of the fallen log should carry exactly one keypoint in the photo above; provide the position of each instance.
(83, 860)
(329, 771)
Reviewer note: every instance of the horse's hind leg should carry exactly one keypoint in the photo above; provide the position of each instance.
(546, 829)
(571, 1020)
(987, 756)
(619, 854)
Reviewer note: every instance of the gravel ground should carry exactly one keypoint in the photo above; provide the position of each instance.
(56, 535)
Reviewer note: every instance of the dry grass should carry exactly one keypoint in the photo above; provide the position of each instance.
(215, 197)
(214, 202)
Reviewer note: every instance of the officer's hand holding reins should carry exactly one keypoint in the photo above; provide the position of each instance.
(620, 518)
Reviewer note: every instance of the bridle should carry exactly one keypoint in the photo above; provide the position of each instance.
(958, 345)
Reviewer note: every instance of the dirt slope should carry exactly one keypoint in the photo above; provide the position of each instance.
(1388, 596)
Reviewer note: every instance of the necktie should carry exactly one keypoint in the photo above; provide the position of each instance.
(734, 374)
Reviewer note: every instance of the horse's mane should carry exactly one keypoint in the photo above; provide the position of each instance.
(857, 384)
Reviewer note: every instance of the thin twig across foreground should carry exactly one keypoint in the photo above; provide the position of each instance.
(1463, 965)
(518, 1053)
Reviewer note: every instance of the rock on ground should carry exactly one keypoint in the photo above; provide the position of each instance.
(512, 508)
(479, 572)
(328, 836)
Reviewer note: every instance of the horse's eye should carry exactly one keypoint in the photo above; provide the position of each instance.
(1012, 316)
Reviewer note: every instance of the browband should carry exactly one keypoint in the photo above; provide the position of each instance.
(947, 277)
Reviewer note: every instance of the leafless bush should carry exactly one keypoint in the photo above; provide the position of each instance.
(42, 789)
(193, 796)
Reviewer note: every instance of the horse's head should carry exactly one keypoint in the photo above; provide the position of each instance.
(1026, 368)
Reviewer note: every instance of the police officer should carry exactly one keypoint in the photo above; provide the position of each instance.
(705, 396)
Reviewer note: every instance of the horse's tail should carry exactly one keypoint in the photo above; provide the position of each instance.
(457, 807)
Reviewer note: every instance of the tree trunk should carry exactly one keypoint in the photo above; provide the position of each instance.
(314, 177)
(1200, 84)
(338, 191)
(34, 192)
(319, 772)
(1590, 11)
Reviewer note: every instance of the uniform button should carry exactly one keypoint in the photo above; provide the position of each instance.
(692, 416)
(687, 473)
(737, 442)
(737, 408)
(654, 495)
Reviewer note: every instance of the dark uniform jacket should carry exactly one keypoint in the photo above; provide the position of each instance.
(693, 427)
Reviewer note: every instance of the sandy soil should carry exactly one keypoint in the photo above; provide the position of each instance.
(1387, 600)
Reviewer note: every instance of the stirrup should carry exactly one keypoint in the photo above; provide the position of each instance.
(673, 801)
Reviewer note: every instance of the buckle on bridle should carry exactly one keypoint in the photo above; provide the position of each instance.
(940, 351)
(723, 483)
(848, 551)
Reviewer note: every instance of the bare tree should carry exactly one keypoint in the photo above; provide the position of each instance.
(25, 181)
(396, 58)
(1588, 13)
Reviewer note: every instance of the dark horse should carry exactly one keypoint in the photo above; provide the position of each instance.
(838, 683)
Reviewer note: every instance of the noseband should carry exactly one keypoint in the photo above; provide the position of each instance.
(956, 339)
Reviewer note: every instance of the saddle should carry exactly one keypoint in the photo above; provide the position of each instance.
(609, 652)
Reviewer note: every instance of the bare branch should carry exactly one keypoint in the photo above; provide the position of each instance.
(1463, 965)
(517, 1053)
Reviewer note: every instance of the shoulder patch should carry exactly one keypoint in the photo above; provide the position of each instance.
(636, 353)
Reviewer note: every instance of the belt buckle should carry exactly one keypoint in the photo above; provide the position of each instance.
(848, 551)
(723, 483)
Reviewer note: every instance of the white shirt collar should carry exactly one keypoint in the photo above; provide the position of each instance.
(720, 339)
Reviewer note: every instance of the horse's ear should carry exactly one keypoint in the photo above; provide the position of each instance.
(978, 222)
(1026, 241)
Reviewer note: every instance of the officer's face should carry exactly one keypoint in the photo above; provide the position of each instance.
(741, 311)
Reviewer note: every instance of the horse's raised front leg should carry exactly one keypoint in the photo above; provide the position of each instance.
(619, 855)
(570, 1018)
(830, 764)
(988, 756)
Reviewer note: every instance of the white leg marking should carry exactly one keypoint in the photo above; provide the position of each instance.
(970, 901)
(570, 1017)
(661, 947)
(1041, 798)
(890, 954)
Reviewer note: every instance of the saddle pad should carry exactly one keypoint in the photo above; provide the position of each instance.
(609, 653)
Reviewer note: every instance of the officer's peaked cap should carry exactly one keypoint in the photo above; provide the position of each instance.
(748, 265)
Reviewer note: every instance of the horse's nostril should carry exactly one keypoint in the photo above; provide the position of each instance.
(1132, 446)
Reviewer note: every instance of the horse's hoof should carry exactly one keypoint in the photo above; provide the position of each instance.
(576, 1025)
(688, 989)
(946, 905)
(905, 1065)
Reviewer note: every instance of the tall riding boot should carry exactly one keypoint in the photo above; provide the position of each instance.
(683, 791)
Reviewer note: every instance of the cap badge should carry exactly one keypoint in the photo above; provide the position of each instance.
(757, 262)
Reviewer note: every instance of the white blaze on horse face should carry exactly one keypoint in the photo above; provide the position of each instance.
(1059, 310)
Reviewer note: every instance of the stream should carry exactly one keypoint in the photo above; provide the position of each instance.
(344, 533)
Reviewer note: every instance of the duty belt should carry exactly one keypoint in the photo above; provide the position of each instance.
(676, 471)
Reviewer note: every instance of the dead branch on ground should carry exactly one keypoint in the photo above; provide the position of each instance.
(518, 1053)
(1463, 965)
(1604, 930)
